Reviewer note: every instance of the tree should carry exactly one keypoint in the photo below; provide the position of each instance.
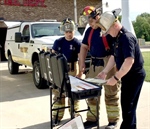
(142, 26)
(119, 18)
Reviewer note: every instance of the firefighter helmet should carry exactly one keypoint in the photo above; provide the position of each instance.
(83, 19)
(67, 25)
(107, 19)
(88, 12)
(91, 11)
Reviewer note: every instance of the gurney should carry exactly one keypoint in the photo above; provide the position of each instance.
(54, 69)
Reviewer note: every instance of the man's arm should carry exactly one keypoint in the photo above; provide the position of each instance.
(82, 57)
(126, 66)
(110, 64)
(56, 45)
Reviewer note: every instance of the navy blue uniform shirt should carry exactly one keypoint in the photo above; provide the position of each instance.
(69, 48)
(127, 46)
(97, 48)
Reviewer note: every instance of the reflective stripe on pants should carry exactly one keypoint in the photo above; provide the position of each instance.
(61, 103)
(111, 96)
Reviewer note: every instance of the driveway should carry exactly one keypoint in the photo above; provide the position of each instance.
(23, 106)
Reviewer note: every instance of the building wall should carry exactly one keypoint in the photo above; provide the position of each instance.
(55, 9)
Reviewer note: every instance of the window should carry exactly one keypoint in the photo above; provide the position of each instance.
(26, 34)
(26, 31)
(47, 29)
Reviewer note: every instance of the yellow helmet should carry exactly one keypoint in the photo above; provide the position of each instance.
(88, 12)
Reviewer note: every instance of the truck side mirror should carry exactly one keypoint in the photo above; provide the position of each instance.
(18, 37)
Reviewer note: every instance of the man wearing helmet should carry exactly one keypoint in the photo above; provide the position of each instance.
(100, 53)
(70, 47)
(129, 61)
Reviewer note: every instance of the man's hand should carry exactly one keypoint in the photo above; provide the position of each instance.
(102, 75)
(111, 81)
(81, 75)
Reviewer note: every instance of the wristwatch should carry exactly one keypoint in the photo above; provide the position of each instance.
(116, 78)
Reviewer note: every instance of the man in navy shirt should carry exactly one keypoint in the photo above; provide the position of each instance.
(129, 61)
(70, 47)
(100, 54)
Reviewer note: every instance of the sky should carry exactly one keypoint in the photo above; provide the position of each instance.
(136, 7)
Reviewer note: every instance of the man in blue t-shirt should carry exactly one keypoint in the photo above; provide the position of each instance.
(129, 61)
(100, 53)
(70, 47)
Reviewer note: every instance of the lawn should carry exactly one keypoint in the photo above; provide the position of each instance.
(146, 56)
(147, 43)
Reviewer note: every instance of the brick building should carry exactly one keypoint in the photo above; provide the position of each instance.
(32, 10)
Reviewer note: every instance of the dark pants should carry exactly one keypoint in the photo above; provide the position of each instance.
(130, 92)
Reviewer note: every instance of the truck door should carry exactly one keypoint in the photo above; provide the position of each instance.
(10, 43)
(24, 46)
(3, 32)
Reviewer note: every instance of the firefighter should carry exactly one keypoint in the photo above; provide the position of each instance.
(100, 53)
(129, 61)
(70, 47)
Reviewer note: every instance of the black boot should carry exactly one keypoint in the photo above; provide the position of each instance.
(88, 124)
(55, 123)
(111, 125)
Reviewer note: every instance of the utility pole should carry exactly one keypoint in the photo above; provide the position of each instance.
(75, 11)
(103, 4)
(126, 21)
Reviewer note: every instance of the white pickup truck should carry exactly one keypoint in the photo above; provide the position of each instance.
(23, 42)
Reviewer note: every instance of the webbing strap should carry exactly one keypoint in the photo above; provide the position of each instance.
(103, 38)
(105, 43)
(90, 37)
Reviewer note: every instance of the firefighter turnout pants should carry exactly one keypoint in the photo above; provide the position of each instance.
(61, 102)
(111, 95)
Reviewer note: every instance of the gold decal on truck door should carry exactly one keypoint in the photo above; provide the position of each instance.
(24, 49)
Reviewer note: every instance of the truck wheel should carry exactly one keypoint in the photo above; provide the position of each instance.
(39, 82)
(12, 66)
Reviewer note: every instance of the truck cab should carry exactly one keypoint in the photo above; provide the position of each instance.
(23, 42)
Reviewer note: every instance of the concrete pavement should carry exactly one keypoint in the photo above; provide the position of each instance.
(145, 48)
(23, 106)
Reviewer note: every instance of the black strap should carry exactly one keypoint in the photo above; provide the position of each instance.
(97, 62)
(72, 66)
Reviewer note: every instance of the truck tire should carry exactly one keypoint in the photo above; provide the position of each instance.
(12, 66)
(39, 82)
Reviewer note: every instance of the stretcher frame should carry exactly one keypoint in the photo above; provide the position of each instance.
(54, 70)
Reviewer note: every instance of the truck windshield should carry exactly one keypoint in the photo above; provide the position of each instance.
(47, 29)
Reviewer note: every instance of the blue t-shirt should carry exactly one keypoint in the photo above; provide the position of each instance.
(97, 48)
(69, 48)
(127, 46)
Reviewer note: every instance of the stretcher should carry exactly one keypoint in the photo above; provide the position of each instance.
(54, 69)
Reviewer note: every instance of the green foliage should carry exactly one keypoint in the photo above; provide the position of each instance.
(119, 18)
(146, 56)
(142, 26)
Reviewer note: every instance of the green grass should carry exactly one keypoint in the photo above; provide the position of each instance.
(147, 43)
(146, 56)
